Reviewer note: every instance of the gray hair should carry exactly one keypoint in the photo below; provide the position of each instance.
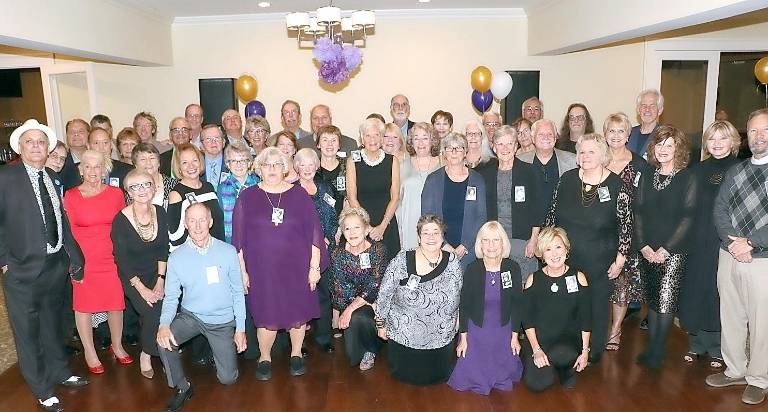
(505, 130)
(372, 123)
(599, 141)
(268, 153)
(485, 147)
(306, 154)
(453, 139)
(537, 124)
(237, 148)
(659, 97)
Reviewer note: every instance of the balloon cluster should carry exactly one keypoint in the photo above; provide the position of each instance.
(336, 62)
(246, 88)
(488, 86)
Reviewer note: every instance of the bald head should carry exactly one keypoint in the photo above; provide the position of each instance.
(320, 116)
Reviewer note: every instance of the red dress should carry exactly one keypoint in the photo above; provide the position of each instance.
(91, 222)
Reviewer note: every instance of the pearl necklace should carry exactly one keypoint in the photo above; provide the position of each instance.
(373, 163)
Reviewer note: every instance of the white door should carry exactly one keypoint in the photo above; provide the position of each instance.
(69, 93)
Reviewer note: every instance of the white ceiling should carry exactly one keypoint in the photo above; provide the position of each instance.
(189, 8)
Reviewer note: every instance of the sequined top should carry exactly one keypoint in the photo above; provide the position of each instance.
(349, 280)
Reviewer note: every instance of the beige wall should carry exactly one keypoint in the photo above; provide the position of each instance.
(428, 60)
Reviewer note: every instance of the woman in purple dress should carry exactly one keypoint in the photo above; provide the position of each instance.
(278, 235)
(489, 317)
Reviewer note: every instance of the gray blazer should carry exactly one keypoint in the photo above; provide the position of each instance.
(565, 160)
(475, 213)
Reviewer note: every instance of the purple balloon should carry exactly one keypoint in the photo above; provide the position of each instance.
(482, 101)
(255, 107)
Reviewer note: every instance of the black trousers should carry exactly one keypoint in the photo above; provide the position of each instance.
(361, 335)
(561, 355)
(149, 319)
(322, 328)
(67, 314)
(35, 310)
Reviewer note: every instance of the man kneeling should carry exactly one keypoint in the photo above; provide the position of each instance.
(213, 304)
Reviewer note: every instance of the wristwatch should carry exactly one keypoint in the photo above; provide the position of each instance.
(161, 276)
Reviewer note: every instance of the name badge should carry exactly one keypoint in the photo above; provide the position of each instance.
(572, 284)
(471, 193)
(519, 194)
(341, 154)
(223, 176)
(114, 182)
(636, 183)
(191, 197)
(356, 157)
(506, 280)
(341, 183)
(604, 194)
(212, 274)
(365, 260)
(329, 199)
(277, 215)
(413, 282)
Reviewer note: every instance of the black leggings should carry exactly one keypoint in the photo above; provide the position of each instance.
(361, 335)
(149, 319)
(561, 355)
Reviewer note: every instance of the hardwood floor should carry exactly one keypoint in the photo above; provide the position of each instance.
(616, 384)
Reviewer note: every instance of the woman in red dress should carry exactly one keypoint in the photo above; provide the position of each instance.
(91, 207)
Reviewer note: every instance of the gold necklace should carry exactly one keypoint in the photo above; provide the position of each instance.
(146, 231)
(431, 264)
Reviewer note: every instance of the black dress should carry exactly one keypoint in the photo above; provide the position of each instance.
(373, 192)
(135, 257)
(337, 181)
(699, 299)
(559, 309)
(176, 212)
(597, 230)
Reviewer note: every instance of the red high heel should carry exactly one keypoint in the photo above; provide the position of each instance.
(127, 360)
(96, 370)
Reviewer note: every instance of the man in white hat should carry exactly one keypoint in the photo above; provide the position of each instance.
(36, 252)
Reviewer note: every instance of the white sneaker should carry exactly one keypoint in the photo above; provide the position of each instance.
(368, 359)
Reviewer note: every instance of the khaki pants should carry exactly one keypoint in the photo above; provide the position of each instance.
(743, 291)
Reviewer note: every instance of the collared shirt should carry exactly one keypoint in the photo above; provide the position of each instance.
(240, 140)
(32, 172)
(228, 191)
(404, 128)
(213, 170)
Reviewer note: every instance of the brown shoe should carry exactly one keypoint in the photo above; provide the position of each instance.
(753, 395)
(721, 380)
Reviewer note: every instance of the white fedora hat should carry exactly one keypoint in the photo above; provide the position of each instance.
(32, 124)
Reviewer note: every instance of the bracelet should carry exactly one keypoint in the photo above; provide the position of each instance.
(584, 350)
(535, 351)
(316, 269)
(161, 276)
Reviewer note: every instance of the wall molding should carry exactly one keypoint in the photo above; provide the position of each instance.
(399, 14)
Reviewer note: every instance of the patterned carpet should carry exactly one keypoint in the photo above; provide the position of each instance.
(7, 347)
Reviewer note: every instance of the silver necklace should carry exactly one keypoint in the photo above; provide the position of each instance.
(658, 184)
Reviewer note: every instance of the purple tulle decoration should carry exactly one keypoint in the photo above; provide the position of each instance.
(352, 57)
(336, 62)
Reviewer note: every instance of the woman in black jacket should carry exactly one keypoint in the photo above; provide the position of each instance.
(489, 317)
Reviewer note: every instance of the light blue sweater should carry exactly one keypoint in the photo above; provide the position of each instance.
(212, 285)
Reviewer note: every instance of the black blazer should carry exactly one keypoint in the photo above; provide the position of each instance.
(166, 163)
(472, 305)
(526, 213)
(119, 171)
(22, 231)
(69, 174)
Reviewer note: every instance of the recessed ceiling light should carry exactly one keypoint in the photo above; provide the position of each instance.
(264, 4)
(424, 1)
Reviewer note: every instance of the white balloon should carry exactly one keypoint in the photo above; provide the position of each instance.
(501, 84)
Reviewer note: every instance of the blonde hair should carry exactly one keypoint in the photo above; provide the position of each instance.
(176, 158)
(358, 212)
(105, 161)
(487, 230)
(393, 128)
(726, 129)
(599, 141)
(134, 175)
(547, 236)
(306, 154)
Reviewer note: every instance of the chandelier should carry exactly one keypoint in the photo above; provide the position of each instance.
(328, 22)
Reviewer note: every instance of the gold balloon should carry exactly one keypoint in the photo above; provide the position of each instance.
(481, 79)
(761, 70)
(245, 86)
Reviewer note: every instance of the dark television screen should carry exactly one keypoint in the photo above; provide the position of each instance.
(10, 83)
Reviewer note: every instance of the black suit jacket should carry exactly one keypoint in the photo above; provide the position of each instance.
(69, 174)
(22, 231)
(472, 303)
(119, 171)
(526, 213)
(222, 167)
(166, 162)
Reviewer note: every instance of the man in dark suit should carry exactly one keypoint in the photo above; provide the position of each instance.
(400, 108)
(650, 106)
(216, 170)
(36, 252)
(180, 133)
(77, 143)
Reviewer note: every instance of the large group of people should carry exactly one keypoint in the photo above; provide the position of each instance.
(481, 257)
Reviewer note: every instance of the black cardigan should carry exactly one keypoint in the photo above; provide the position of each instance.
(472, 305)
(525, 214)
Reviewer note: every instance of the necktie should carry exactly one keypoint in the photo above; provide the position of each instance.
(214, 173)
(51, 230)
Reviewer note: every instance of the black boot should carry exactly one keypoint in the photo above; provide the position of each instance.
(177, 402)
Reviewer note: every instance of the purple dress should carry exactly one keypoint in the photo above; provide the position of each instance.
(277, 256)
(489, 362)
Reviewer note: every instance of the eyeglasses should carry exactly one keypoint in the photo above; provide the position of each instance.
(455, 149)
(195, 116)
(474, 134)
(257, 131)
(58, 158)
(398, 106)
(179, 130)
(577, 118)
(491, 124)
(533, 109)
(212, 139)
(136, 186)
(278, 165)
(241, 162)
